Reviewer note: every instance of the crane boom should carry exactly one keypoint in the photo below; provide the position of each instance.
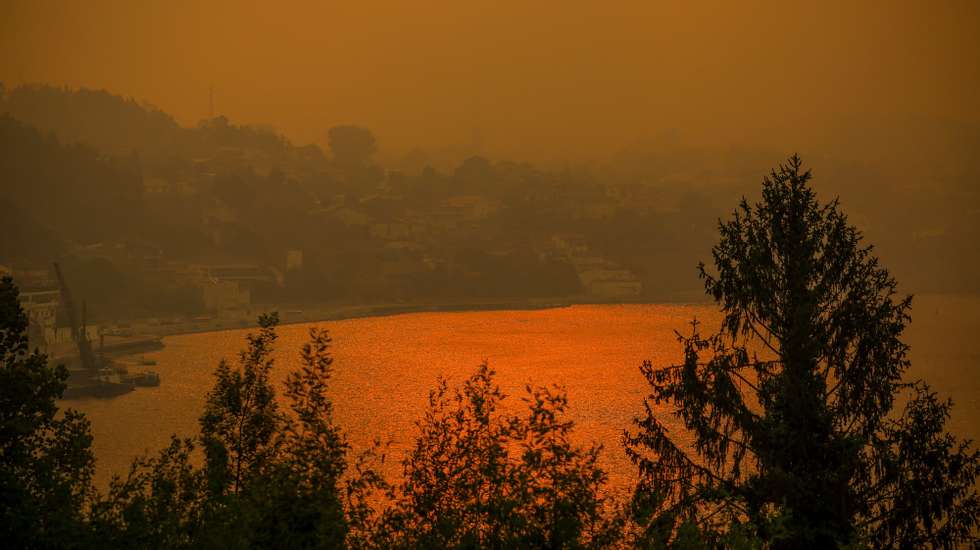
(78, 334)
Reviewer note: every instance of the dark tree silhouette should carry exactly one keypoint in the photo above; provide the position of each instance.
(791, 403)
(270, 479)
(300, 496)
(159, 504)
(481, 478)
(241, 416)
(46, 461)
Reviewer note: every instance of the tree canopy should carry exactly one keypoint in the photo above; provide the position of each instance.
(482, 478)
(791, 404)
(46, 460)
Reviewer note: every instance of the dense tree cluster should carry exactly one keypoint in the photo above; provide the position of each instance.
(270, 478)
(478, 478)
(46, 462)
(259, 476)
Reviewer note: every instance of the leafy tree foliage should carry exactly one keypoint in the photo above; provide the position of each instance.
(479, 478)
(300, 493)
(46, 461)
(241, 415)
(158, 504)
(270, 478)
(801, 444)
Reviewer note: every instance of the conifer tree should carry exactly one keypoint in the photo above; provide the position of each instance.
(792, 404)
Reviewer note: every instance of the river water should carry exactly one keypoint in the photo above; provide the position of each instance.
(385, 366)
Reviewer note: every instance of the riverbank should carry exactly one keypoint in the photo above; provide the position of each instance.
(290, 314)
(137, 336)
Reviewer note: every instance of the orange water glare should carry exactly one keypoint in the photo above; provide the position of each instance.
(385, 367)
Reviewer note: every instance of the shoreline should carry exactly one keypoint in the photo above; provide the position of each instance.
(294, 314)
(147, 335)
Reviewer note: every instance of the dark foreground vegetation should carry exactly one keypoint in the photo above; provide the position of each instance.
(806, 434)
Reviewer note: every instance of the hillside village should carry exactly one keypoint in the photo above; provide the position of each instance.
(224, 220)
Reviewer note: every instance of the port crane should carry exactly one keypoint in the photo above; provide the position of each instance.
(78, 328)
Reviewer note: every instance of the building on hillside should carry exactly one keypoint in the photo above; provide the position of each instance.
(606, 280)
(39, 297)
(616, 289)
(226, 287)
(220, 296)
(237, 272)
(469, 207)
(395, 231)
(570, 246)
(350, 217)
(41, 306)
(61, 336)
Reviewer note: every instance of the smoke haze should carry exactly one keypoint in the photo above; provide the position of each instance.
(552, 81)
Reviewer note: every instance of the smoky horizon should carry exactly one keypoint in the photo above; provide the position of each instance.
(553, 83)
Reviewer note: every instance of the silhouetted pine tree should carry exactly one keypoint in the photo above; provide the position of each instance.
(801, 443)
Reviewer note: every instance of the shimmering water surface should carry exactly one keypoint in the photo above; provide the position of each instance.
(385, 366)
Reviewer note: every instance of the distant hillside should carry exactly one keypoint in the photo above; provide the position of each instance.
(72, 190)
(24, 238)
(119, 126)
(96, 175)
(105, 121)
(60, 200)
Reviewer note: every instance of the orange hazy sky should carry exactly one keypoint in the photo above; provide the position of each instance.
(543, 79)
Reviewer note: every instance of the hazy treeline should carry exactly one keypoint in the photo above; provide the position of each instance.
(88, 171)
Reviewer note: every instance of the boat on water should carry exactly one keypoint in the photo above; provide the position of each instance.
(147, 378)
(112, 379)
(106, 383)
(143, 378)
